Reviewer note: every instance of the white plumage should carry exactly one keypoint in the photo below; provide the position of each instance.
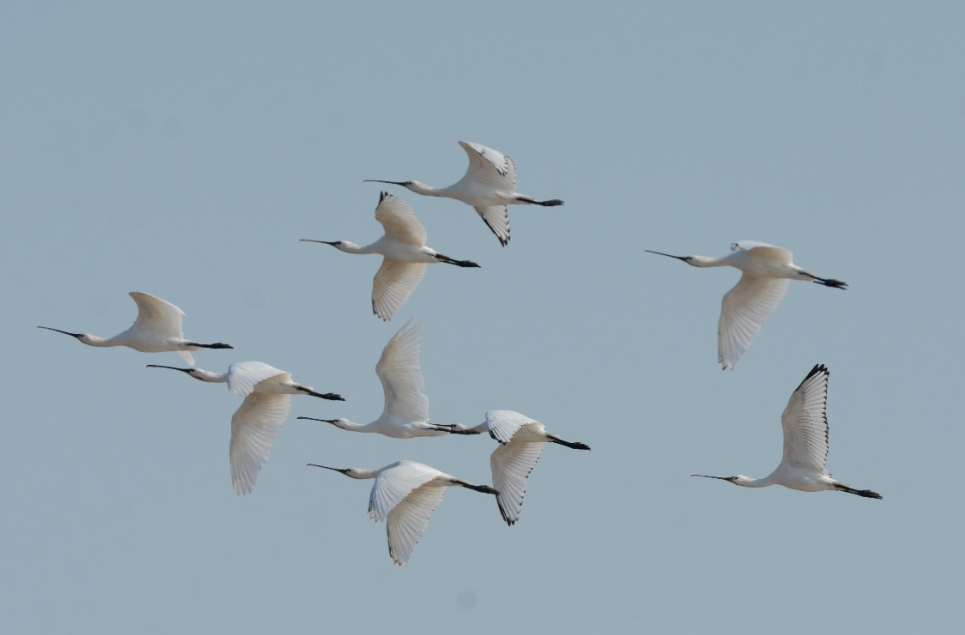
(805, 424)
(404, 495)
(256, 424)
(404, 255)
(157, 329)
(766, 272)
(488, 185)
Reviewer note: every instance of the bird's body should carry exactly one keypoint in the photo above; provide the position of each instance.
(157, 329)
(489, 185)
(404, 255)
(767, 271)
(406, 410)
(256, 424)
(404, 495)
(805, 425)
(521, 442)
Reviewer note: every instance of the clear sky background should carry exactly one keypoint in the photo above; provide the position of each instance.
(182, 149)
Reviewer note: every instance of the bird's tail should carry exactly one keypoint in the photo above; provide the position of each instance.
(867, 493)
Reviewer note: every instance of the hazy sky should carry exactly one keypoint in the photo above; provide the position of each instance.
(183, 149)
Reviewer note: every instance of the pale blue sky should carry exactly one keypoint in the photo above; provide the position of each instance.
(182, 150)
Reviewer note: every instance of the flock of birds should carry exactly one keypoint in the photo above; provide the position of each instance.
(406, 493)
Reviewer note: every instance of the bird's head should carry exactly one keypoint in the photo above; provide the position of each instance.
(344, 424)
(351, 472)
(738, 479)
(86, 338)
(341, 245)
(688, 259)
(190, 372)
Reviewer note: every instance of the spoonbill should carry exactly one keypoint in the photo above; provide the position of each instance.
(489, 185)
(767, 272)
(521, 441)
(404, 255)
(157, 329)
(406, 410)
(256, 424)
(805, 423)
(404, 495)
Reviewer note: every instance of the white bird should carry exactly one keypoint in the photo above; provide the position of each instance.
(256, 424)
(406, 410)
(767, 271)
(404, 495)
(404, 255)
(157, 329)
(805, 423)
(521, 441)
(489, 185)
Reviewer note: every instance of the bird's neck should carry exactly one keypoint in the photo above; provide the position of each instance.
(427, 190)
(208, 376)
(705, 261)
(351, 426)
(352, 248)
(362, 474)
(101, 342)
(756, 482)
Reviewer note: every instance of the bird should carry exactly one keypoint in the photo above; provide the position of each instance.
(256, 424)
(404, 255)
(521, 441)
(406, 410)
(404, 495)
(488, 185)
(805, 423)
(767, 271)
(157, 329)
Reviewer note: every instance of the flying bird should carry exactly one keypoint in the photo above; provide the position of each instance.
(157, 329)
(406, 410)
(767, 272)
(489, 185)
(256, 424)
(404, 255)
(805, 423)
(404, 495)
(521, 441)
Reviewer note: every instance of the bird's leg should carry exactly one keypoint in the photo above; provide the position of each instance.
(576, 445)
(329, 395)
(215, 345)
(453, 428)
(458, 263)
(867, 493)
(828, 282)
(485, 489)
(532, 201)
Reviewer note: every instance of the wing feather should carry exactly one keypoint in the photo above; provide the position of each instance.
(490, 167)
(244, 376)
(254, 428)
(743, 312)
(503, 424)
(511, 465)
(496, 218)
(401, 375)
(399, 220)
(805, 422)
(409, 519)
(763, 250)
(393, 283)
(157, 317)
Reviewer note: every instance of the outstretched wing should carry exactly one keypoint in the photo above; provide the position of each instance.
(254, 428)
(496, 218)
(395, 482)
(401, 376)
(409, 520)
(511, 465)
(244, 376)
(490, 167)
(503, 424)
(156, 316)
(399, 220)
(805, 422)
(743, 312)
(393, 283)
